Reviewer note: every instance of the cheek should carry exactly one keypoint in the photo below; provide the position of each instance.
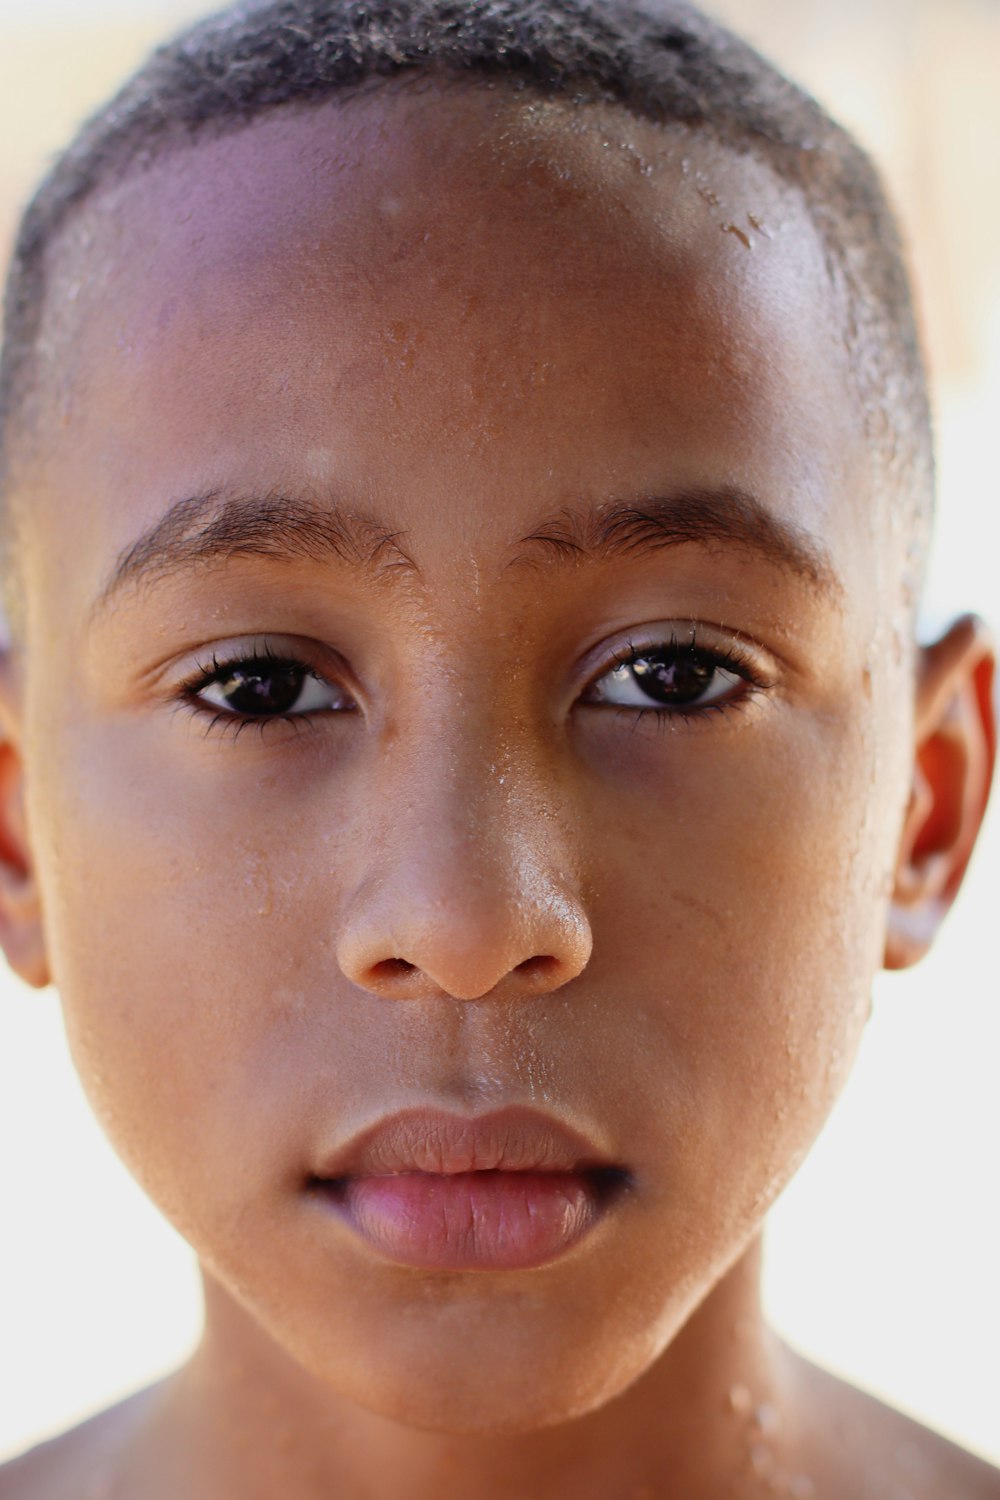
(737, 903)
(183, 951)
(750, 872)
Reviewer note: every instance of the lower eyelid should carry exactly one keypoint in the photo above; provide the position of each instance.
(221, 725)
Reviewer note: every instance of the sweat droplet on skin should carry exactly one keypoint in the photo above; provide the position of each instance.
(740, 1400)
(766, 1419)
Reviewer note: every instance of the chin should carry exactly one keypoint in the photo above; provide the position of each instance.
(487, 1370)
(463, 1353)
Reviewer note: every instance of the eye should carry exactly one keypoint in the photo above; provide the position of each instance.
(678, 676)
(262, 686)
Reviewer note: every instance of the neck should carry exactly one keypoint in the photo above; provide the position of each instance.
(244, 1420)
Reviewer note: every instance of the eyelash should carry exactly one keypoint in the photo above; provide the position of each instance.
(735, 659)
(233, 724)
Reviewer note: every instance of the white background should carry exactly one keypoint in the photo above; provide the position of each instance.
(884, 1254)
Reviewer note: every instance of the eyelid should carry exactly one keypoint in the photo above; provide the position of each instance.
(761, 665)
(205, 660)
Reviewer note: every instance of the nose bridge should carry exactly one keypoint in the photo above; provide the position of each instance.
(470, 886)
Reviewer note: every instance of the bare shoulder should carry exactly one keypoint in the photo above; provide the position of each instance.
(866, 1450)
(75, 1465)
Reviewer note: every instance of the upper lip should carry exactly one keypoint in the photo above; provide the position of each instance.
(515, 1139)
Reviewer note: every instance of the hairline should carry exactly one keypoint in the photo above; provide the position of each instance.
(876, 333)
(177, 137)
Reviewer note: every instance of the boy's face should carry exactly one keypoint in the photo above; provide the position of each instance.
(463, 869)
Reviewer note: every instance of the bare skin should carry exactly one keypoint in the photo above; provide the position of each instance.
(444, 333)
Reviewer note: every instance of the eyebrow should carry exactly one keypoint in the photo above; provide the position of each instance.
(202, 529)
(209, 528)
(728, 517)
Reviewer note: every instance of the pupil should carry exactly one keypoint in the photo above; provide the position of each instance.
(677, 678)
(264, 690)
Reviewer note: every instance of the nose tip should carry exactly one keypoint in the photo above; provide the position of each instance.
(465, 948)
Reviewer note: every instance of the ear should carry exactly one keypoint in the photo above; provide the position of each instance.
(21, 931)
(954, 755)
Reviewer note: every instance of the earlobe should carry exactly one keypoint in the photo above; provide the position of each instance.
(21, 927)
(954, 756)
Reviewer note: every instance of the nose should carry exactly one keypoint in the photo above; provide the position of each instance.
(466, 894)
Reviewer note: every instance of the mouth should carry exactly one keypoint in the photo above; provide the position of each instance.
(509, 1190)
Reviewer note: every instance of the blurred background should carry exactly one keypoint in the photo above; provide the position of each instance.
(884, 1255)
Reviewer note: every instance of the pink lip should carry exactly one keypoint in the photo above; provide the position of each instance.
(502, 1191)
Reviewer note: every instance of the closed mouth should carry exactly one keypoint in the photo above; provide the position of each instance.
(506, 1191)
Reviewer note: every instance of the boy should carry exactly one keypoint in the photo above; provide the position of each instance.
(466, 479)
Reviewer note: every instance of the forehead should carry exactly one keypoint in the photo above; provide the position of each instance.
(497, 302)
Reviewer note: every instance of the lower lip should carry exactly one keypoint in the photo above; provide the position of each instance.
(496, 1221)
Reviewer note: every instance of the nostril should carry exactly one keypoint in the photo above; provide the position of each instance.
(392, 968)
(540, 967)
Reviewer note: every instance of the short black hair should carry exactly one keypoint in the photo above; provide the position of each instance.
(661, 59)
